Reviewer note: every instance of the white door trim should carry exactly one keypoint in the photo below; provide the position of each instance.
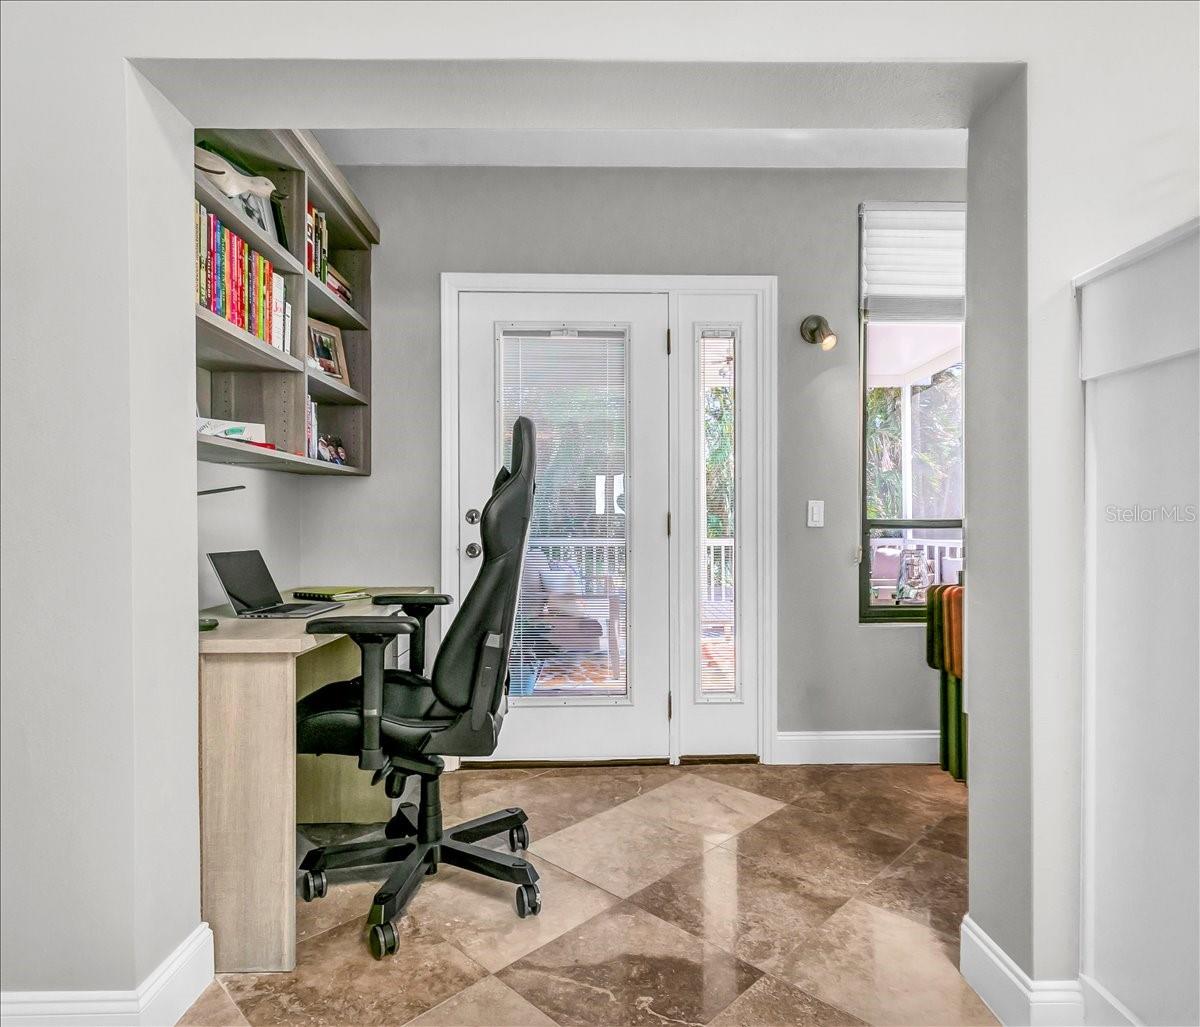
(766, 287)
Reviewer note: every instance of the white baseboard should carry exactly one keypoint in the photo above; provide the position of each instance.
(855, 747)
(1008, 991)
(161, 999)
(1102, 1007)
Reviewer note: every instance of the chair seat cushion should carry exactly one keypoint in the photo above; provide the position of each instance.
(329, 720)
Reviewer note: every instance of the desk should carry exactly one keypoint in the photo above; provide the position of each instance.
(251, 674)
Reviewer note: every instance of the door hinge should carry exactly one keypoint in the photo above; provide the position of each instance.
(668, 524)
(670, 709)
(668, 342)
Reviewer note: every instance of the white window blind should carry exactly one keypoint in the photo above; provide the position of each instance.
(914, 261)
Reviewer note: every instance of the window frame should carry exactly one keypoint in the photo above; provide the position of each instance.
(868, 613)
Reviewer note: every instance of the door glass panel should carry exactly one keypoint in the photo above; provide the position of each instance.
(716, 533)
(570, 637)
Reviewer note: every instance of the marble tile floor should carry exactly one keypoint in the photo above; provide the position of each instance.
(726, 895)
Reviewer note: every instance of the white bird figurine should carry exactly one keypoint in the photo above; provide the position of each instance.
(228, 179)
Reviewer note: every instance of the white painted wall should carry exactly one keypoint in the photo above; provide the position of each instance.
(1112, 160)
(1141, 915)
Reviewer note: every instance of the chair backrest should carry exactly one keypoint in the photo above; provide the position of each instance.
(489, 608)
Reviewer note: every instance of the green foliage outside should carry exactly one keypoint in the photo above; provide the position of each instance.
(719, 472)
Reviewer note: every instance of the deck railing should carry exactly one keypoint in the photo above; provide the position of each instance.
(601, 563)
(943, 556)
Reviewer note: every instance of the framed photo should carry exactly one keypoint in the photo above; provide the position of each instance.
(258, 209)
(325, 350)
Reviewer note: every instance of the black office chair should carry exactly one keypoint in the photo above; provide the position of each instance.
(400, 723)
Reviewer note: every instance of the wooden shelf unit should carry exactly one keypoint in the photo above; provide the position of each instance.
(214, 450)
(241, 378)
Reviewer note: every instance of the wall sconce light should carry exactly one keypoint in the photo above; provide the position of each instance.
(815, 329)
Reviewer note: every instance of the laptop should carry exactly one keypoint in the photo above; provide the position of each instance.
(251, 589)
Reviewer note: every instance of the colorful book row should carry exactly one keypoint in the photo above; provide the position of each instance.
(238, 283)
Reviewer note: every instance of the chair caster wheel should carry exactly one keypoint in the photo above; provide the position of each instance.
(383, 940)
(528, 900)
(313, 885)
(518, 838)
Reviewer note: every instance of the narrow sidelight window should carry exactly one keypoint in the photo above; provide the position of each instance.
(717, 534)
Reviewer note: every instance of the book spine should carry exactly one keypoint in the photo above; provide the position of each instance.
(252, 277)
(243, 292)
(278, 336)
(310, 236)
(196, 244)
(287, 325)
(222, 282)
(324, 245)
(210, 261)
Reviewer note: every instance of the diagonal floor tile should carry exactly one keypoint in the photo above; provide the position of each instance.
(831, 857)
(337, 982)
(619, 850)
(345, 901)
(469, 783)
(949, 835)
(476, 913)
(554, 801)
(746, 907)
(486, 1003)
(785, 783)
(925, 779)
(628, 967)
(878, 803)
(770, 1002)
(214, 1008)
(924, 885)
(885, 969)
(698, 804)
(647, 776)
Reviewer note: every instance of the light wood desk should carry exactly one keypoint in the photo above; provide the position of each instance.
(254, 789)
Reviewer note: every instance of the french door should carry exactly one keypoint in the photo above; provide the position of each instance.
(639, 625)
(589, 666)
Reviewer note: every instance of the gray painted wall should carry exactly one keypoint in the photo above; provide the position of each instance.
(996, 617)
(835, 674)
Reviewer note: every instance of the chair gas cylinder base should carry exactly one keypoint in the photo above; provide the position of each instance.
(415, 843)
(399, 723)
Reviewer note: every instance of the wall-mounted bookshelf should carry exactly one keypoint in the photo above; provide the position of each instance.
(242, 377)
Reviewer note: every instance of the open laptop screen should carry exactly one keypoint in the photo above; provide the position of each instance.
(246, 580)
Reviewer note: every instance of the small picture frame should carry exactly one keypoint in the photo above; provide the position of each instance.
(326, 353)
(258, 210)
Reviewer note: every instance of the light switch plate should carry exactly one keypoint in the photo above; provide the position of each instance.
(816, 513)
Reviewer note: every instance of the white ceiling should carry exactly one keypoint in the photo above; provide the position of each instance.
(669, 148)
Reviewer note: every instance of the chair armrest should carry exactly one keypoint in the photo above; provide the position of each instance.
(372, 635)
(418, 605)
(354, 626)
(412, 598)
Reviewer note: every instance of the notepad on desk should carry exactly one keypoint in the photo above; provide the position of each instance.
(331, 593)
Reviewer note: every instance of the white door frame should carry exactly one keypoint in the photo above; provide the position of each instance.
(764, 287)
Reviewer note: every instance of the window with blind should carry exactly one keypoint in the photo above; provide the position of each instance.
(569, 639)
(912, 310)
